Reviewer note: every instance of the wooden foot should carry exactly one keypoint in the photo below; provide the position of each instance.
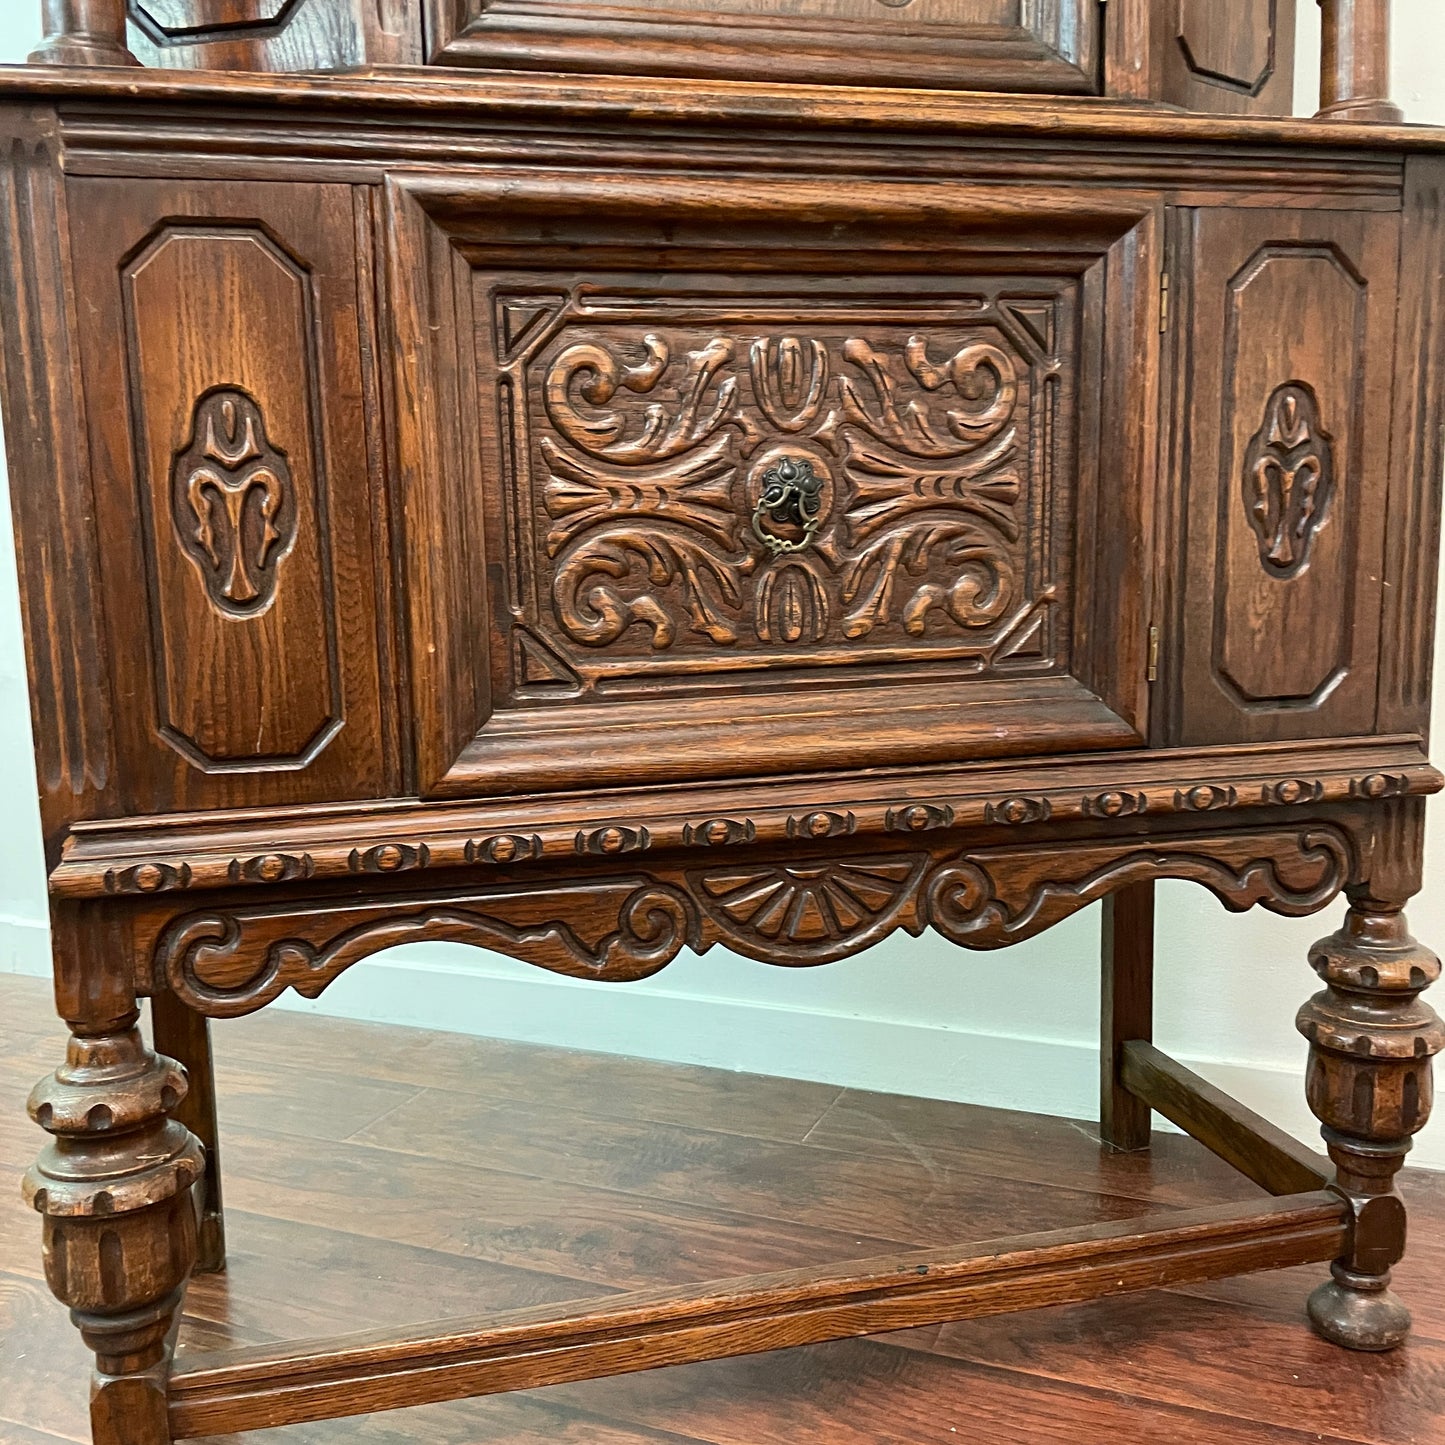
(1372, 1039)
(114, 1188)
(1126, 1011)
(1359, 1311)
(184, 1035)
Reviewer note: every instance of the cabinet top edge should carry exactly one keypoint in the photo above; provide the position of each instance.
(461, 95)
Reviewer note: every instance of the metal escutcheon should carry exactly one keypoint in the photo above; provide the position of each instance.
(793, 499)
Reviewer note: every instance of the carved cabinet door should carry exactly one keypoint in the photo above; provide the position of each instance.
(222, 329)
(1013, 45)
(1284, 452)
(750, 478)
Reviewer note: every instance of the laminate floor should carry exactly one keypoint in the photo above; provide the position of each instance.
(381, 1176)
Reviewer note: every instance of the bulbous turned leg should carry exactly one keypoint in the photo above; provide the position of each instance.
(1372, 1039)
(114, 1188)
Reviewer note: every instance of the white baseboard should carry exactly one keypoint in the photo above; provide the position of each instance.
(474, 994)
(24, 946)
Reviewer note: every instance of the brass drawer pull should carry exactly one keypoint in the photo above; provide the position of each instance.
(793, 500)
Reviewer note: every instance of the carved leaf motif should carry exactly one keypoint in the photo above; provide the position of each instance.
(695, 491)
(980, 592)
(887, 487)
(790, 380)
(594, 609)
(225, 965)
(1288, 479)
(792, 605)
(980, 375)
(232, 503)
(595, 375)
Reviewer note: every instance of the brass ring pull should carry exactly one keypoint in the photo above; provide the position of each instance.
(792, 498)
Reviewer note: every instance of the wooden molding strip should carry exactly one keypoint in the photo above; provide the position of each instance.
(357, 1374)
(191, 853)
(1261, 1152)
(517, 96)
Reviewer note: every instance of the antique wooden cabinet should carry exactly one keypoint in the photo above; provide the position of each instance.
(540, 490)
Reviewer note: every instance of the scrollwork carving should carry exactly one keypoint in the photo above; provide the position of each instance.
(993, 898)
(229, 964)
(646, 457)
(790, 908)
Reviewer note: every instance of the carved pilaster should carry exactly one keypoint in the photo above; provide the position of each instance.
(1372, 1039)
(114, 1188)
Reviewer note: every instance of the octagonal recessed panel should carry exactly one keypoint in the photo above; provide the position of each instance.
(177, 19)
(1226, 47)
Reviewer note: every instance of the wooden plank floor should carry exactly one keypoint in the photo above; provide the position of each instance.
(383, 1176)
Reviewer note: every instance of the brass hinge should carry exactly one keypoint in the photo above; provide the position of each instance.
(1165, 288)
(1153, 654)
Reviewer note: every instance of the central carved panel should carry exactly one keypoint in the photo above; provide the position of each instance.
(701, 486)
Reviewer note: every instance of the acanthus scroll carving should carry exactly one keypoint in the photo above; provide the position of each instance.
(1289, 477)
(791, 911)
(646, 462)
(998, 897)
(233, 503)
(229, 964)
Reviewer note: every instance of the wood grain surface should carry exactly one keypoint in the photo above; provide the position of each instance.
(312, 1109)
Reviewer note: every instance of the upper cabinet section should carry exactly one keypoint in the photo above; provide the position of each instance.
(1229, 56)
(1012, 45)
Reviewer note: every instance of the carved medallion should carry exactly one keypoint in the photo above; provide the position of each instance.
(233, 503)
(1288, 479)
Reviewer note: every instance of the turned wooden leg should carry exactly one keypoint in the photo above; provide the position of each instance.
(1355, 62)
(1127, 1010)
(184, 1035)
(1372, 1039)
(114, 1187)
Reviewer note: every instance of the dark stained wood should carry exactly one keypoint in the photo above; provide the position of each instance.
(1276, 550)
(83, 32)
(184, 1035)
(1154, 1361)
(358, 1374)
(596, 515)
(1269, 1156)
(274, 35)
(973, 44)
(1126, 1010)
(1228, 56)
(1372, 1043)
(243, 449)
(1355, 66)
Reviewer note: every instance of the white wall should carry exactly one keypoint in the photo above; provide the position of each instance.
(920, 1017)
